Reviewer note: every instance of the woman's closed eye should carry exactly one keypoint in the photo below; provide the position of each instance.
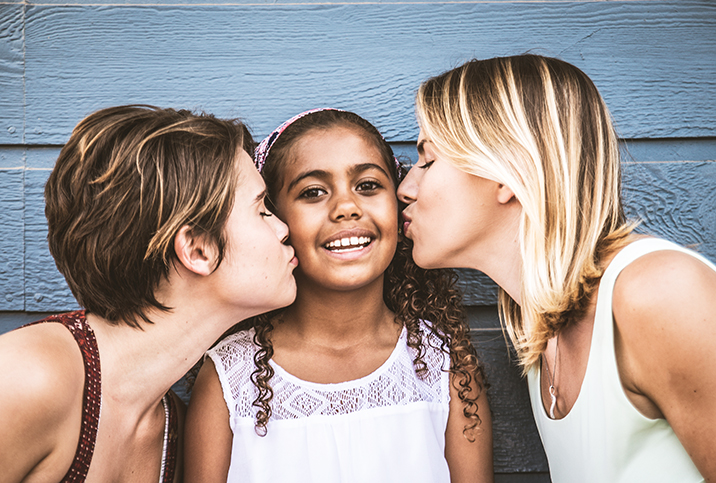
(265, 211)
(426, 165)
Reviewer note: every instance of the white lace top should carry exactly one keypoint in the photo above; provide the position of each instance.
(387, 426)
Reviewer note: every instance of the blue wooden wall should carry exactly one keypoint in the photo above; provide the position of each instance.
(654, 62)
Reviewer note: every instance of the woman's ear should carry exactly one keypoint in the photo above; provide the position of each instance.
(195, 252)
(504, 194)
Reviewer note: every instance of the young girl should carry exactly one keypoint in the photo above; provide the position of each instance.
(370, 374)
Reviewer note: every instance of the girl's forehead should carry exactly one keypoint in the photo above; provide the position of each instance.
(335, 145)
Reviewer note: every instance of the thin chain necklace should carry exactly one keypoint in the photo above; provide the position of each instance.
(550, 376)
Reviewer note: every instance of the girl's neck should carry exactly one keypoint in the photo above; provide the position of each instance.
(338, 317)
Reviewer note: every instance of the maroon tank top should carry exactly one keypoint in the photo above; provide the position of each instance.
(92, 399)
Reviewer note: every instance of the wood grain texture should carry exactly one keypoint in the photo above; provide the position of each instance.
(676, 201)
(269, 62)
(11, 74)
(10, 320)
(12, 283)
(272, 3)
(45, 288)
(517, 446)
(516, 443)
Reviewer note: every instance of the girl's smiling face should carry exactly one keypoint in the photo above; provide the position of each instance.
(339, 202)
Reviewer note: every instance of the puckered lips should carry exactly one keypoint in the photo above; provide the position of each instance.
(406, 223)
(349, 242)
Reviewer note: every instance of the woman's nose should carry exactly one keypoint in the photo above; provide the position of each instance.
(280, 228)
(408, 189)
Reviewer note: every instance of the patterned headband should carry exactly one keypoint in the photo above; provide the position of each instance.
(262, 150)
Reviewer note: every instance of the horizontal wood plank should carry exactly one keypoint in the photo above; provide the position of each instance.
(517, 446)
(267, 63)
(675, 199)
(45, 288)
(272, 3)
(12, 282)
(11, 74)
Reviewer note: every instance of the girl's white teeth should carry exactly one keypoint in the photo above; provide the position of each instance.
(353, 241)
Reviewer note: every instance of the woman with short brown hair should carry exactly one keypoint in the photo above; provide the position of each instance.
(156, 219)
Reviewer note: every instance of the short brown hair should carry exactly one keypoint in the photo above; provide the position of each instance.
(124, 184)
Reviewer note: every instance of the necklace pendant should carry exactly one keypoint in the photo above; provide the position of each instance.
(553, 395)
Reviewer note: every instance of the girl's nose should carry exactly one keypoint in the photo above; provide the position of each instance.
(346, 207)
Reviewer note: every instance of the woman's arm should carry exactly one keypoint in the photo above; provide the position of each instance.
(468, 461)
(665, 315)
(208, 436)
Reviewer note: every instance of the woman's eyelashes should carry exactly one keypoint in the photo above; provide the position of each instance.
(266, 209)
(265, 212)
(426, 165)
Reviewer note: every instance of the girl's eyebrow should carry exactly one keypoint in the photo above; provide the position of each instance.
(359, 168)
(321, 174)
(315, 173)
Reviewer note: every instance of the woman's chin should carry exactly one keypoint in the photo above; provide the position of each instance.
(426, 260)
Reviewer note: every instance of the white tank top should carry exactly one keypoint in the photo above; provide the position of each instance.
(385, 427)
(604, 438)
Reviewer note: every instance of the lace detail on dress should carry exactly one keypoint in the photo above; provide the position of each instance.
(395, 383)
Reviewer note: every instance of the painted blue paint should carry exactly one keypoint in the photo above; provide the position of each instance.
(13, 320)
(271, 3)
(42, 157)
(11, 74)
(12, 283)
(45, 288)
(269, 62)
(657, 150)
(674, 200)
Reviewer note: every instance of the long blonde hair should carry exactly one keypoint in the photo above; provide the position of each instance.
(539, 126)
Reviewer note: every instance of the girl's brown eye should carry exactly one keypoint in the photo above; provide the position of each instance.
(311, 193)
(369, 186)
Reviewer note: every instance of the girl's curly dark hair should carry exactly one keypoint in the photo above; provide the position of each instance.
(412, 293)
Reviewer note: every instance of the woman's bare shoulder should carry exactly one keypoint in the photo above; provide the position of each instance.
(661, 281)
(41, 386)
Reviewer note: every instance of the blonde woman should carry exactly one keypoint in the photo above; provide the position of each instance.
(519, 177)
